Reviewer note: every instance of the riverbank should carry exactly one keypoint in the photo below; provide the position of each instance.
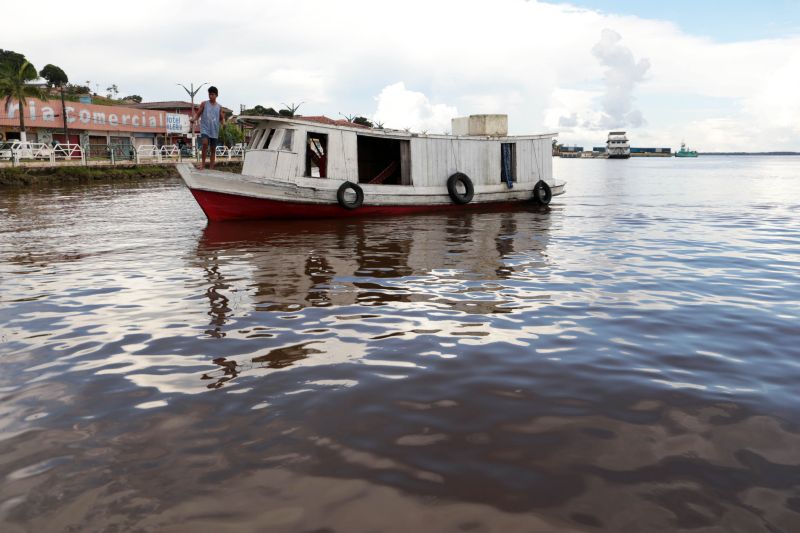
(30, 176)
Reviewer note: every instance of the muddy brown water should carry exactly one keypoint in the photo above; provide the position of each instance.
(627, 360)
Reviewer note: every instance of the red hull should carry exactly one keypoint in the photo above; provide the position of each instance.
(221, 206)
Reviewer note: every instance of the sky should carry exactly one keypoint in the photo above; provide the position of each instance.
(719, 76)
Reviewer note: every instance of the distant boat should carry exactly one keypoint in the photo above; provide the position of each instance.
(685, 152)
(617, 146)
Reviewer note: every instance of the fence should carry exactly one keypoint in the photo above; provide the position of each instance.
(19, 153)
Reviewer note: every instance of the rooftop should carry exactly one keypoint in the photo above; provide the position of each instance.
(333, 122)
(171, 104)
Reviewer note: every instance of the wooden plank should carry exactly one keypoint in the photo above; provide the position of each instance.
(350, 149)
(419, 162)
(405, 163)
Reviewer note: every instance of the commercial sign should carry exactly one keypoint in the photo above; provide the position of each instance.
(47, 114)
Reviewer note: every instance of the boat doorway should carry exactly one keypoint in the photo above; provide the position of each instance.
(317, 155)
(384, 161)
(508, 163)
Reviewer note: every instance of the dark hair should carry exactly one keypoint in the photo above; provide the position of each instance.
(214, 90)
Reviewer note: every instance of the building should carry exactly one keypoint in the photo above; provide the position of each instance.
(569, 151)
(651, 152)
(181, 108)
(87, 124)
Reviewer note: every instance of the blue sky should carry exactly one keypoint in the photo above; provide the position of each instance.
(730, 21)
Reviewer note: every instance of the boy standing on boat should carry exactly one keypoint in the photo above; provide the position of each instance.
(211, 117)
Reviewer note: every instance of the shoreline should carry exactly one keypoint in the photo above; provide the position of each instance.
(31, 176)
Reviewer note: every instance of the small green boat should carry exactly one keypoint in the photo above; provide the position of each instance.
(685, 152)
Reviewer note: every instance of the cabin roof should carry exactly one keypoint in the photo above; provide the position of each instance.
(325, 122)
(322, 119)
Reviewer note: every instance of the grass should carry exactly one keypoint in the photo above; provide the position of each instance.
(28, 176)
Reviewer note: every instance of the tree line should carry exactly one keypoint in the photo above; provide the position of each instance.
(290, 110)
(17, 82)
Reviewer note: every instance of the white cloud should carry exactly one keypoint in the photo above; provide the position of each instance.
(401, 108)
(532, 60)
(622, 74)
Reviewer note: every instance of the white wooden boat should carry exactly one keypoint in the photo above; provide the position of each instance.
(313, 167)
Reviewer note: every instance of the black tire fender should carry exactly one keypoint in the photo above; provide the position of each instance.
(542, 194)
(452, 188)
(342, 199)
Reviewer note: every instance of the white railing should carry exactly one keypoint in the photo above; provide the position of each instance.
(67, 152)
(7, 149)
(26, 150)
(237, 150)
(148, 151)
(170, 150)
(17, 151)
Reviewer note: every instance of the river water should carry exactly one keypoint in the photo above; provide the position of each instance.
(627, 360)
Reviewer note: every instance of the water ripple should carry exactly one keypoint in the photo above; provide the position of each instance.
(494, 370)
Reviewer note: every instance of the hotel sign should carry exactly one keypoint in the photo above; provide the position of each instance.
(177, 123)
(47, 114)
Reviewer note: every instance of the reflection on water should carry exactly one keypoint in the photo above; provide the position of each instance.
(625, 361)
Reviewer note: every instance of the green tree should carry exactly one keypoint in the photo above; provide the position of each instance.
(74, 89)
(57, 78)
(363, 121)
(12, 59)
(54, 75)
(15, 84)
(260, 111)
(134, 98)
(230, 134)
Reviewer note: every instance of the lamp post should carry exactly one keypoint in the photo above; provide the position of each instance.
(242, 107)
(191, 92)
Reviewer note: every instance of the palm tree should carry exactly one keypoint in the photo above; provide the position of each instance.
(57, 78)
(15, 84)
(289, 110)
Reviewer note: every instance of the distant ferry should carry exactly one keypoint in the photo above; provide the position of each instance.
(685, 152)
(618, 146)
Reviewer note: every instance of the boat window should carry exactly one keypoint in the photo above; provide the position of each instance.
(316, 155)
(264, 144)
(254, 139)
(383, 161)
(508, 162)
(288, 139)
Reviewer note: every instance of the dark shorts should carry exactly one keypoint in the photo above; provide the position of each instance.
(212, 142)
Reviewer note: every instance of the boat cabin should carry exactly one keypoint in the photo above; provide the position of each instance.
(288, 149)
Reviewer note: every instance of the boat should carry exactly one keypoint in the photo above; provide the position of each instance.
(617, 146)
(317, 167)
(685, 152)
